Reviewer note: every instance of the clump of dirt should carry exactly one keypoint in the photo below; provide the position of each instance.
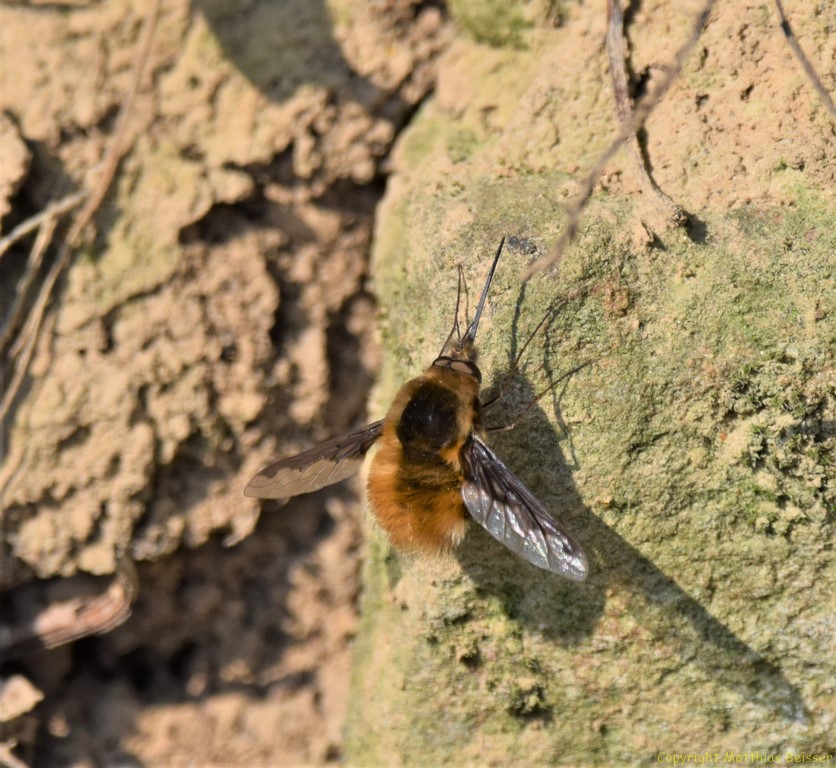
(218, 317)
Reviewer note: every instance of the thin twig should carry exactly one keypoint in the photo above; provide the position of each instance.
(671, 213)
(640, 115)
(52, 211)
(812, 76)
(33, 264)
(117, 148)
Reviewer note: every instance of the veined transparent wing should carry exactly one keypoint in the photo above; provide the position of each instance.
(316, 468)
(506, 509)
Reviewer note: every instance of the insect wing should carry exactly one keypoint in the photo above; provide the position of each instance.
(316, 468)
(506, 509)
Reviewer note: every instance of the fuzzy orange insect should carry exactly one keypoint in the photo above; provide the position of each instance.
(434, 469)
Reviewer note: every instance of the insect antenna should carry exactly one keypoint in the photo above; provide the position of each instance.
(455, 328)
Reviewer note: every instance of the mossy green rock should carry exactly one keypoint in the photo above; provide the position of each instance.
(692, 455)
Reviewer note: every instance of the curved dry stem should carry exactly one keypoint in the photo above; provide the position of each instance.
(808, 68)
(627, 129)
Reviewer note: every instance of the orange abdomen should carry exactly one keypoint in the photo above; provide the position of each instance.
(415, 479)
(419, 508)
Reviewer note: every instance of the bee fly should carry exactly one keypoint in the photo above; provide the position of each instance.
(434, 469)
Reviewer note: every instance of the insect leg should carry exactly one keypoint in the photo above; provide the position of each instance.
(515, 365)
(530, 405)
